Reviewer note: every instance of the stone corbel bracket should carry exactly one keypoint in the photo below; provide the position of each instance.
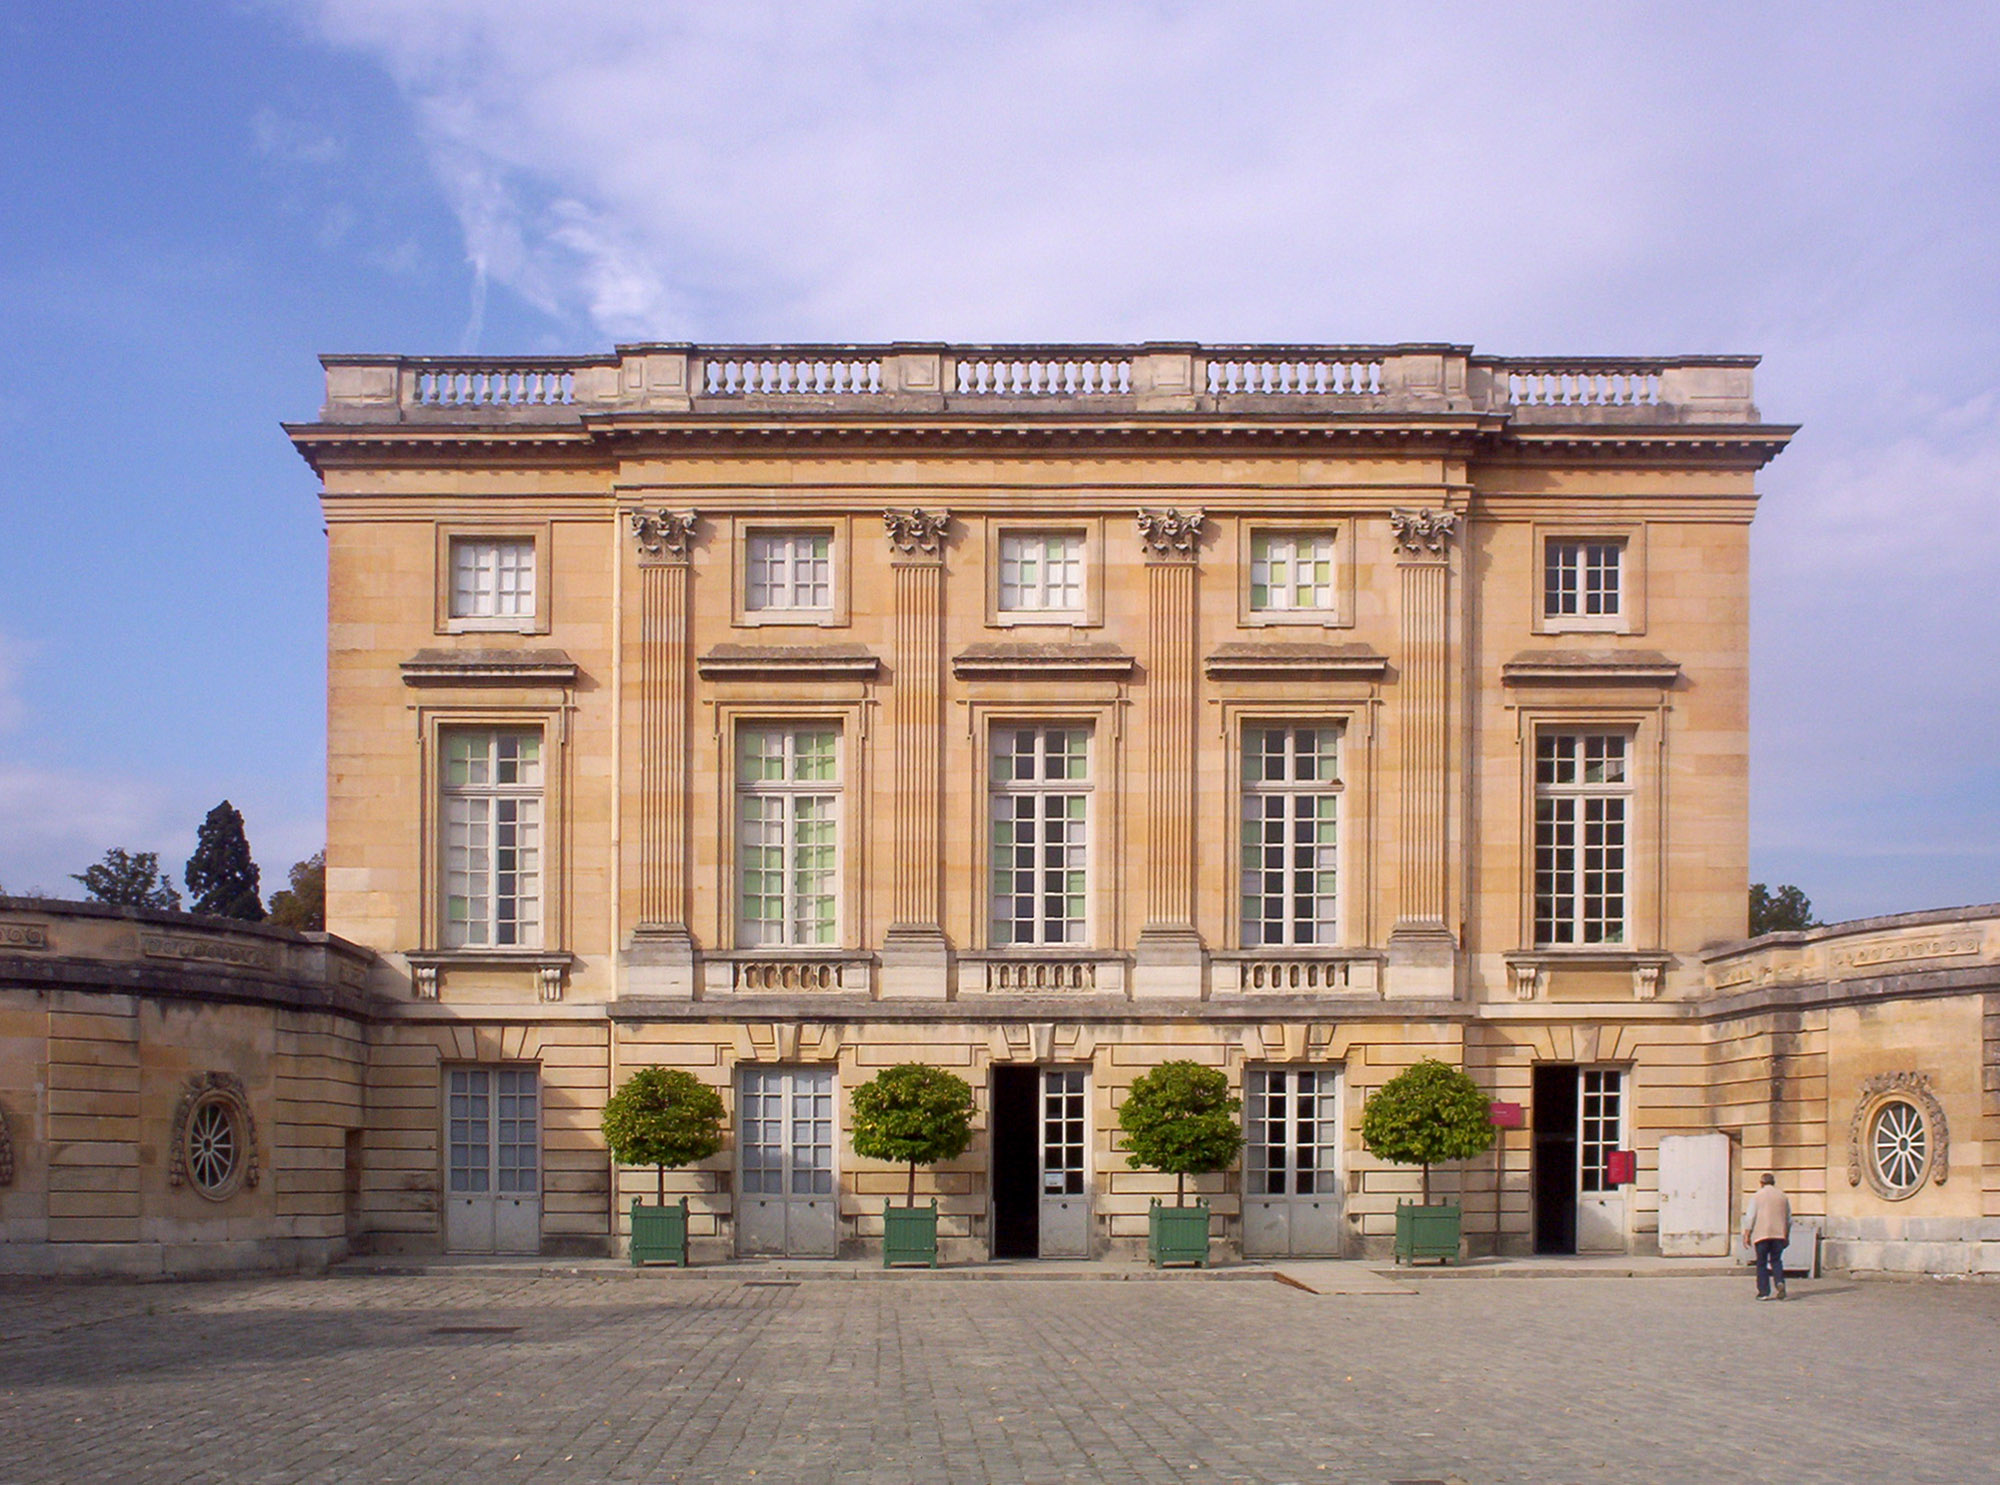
(1170, 533)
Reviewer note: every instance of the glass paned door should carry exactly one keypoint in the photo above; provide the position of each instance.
(1600, 1206)
(1065, 1215)
(788, 1205)
(493, 1148)
(1293, 1200)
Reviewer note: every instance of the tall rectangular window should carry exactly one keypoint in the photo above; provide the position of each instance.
(1291, 574)
(1582, 808)
(1041, 572)
(1291, 815)
(492, 578)
(1583, 579)
(789, 570)
(492, 839)
(787, 836)
(1041, 824)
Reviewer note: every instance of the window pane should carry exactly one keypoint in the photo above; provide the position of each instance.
(491, 817)
(492, 578)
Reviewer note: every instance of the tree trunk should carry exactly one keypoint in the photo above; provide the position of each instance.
(1180, 1188)
(1427, 1183)
(910, 1199)
(661, 1172)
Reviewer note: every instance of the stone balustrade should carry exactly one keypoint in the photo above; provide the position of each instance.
(906, 379)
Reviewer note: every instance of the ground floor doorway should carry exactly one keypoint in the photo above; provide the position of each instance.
(1293, 1199)
(785, 1204)
(1579, 1120)
(493, 1150)
(1040, 1163)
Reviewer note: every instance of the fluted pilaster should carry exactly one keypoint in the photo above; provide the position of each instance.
(1169, 961)
(915, 962)
(1423, 699)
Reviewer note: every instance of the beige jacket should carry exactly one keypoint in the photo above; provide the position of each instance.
(1769, 1215)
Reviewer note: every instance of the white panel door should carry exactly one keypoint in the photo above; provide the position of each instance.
(1600, 1129)
(1293, 1200)
(493, 1144)
(786, 1204)
(1065, 1214)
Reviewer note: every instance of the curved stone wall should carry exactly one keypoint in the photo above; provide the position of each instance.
(178, 1094)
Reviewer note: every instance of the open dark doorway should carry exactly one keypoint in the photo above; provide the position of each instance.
(1554, 1116)
(1017, 1162)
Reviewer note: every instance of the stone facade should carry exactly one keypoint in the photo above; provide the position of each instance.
(1045, 713)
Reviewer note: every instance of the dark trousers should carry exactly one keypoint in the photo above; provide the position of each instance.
(1770, 1264)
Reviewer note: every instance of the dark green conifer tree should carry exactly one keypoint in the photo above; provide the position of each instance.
(221, 877)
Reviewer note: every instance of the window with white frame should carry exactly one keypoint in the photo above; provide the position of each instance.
(1292, 573)
(788, 570)
(787, 836)
(1040, 834)
(1291, 817)
(492, 839)
(1583, 579)
(1041, 572)
(492, 577)
(1583, 802)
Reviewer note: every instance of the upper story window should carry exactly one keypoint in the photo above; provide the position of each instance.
(1583, 581)
(1042, 572)
(1041, 835)
(1291, 817)
(492, 578)
(789, 570)
(787, 836)
(1292, 573)
(1583, 800)
(492, 815)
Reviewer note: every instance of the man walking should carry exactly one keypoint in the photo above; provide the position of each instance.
(1767, 1226)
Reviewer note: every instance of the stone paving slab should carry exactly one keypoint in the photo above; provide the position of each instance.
(505, 1377)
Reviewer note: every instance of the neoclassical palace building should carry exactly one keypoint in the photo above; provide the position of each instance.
(781, 713)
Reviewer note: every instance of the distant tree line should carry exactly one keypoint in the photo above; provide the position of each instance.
(221, 877)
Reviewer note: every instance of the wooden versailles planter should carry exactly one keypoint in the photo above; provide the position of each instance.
(1177, 1235)
(660, 1234)
(909, 1235)
(1427, 1232)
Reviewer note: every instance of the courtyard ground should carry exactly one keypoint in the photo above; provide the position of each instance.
(719, 1375)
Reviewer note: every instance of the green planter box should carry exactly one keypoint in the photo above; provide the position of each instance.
(1177, 1235)
(909, 1235)
(660, 1234)
(1427, 1232)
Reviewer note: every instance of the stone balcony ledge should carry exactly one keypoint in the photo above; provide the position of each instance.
(908, 380)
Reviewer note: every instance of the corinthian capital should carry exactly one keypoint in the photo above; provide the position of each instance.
(1168, 533)
(1423, 530)
(917, 530)
(663, 535)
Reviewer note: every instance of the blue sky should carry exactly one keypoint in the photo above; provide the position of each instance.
(201, 198)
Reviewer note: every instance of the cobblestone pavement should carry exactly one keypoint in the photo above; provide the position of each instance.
(501, 1378)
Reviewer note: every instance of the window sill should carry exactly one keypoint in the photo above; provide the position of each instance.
(428, 967)
(1531, 969)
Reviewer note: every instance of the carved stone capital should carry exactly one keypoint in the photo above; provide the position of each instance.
(1168, 534)
(663, 535)
(1426, 531)
(917, 530)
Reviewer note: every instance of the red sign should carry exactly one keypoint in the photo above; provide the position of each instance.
(1621, 1167)
(1504, 1115)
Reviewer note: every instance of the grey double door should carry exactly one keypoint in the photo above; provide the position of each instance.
(1294, 1200)
(493, 1149)
(786, 1204)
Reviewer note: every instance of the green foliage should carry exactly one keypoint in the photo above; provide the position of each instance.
(303, 904)
(221, 878)
(129, 879)
(663, 1116)
(915, 1114)
(1774, 912)
(1181, 1118)
(1425, 1114)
